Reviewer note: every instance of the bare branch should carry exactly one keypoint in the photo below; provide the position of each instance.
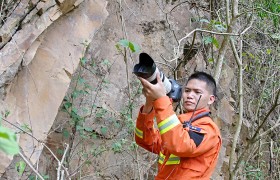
(177, 50)
(257, 9)
(276, 14)
(234, 8)
(42, 143)
(249, 26)
(65, 169)
(61, 176)
(275, 104)
(277, 124)
(241, 109)
(235, 53)
(227, 12)
(31, 166)
(254, 138)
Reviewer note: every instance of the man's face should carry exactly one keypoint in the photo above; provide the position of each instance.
(191, 93)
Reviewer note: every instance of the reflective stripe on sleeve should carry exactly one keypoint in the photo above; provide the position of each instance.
(139, 133)
(173, 160)
(168, 124)
(161, 158)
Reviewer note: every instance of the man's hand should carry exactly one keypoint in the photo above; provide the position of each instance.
(153, 91)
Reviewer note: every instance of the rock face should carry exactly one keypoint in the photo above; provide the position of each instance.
(49, 47)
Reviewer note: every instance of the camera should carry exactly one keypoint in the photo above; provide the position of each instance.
(148, 70)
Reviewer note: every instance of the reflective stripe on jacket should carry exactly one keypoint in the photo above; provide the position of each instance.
(184, 153)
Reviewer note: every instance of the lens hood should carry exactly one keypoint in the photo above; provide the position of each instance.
(146, 66)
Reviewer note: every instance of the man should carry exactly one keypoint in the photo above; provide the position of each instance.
(188, 145)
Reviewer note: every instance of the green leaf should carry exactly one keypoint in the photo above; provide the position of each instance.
(118, 47)
(67, 105)
(117, 124)
(32, 177)
(7, 113)
(20, 167)
(117, 147)
(83, 60)
(124, 43)
(220, 27)
(246, 68)
(211, 60)
(94, 135)
(127, 44)
(83, 135)
(275, 36)
(134, 47)
(268, 51)
(88, 87)
(204, 20)
(75, 93)
(88, 129)
(215, 42)
(88, 162)
(74, 111)
(65, 133)
(207, 39)
(133, 146)
(251, 55)
(104, 130)
(60, 151)
(78, 127)
(106, 62)
(81, 80)
(100, 113)
(8, 142)
(46, 176)
(85, 110)
(106, 81)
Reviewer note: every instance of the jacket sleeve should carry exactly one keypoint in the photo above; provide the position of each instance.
(178, 140)
(146, 135)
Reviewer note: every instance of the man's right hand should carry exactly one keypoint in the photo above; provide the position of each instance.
(151, 91)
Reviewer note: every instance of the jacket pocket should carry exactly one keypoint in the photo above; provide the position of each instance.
(194, 164)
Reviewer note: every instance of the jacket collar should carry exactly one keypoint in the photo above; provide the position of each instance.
(188, 115)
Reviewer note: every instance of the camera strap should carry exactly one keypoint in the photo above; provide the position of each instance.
(188, 123)
(192, 119)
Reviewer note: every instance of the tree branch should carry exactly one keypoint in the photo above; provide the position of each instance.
(277, 124)
(61, 176)
(257, 9)
(275, 104)
(254, 139)
(42, 143)
(30, 165)
(177, 50)
(238, 59)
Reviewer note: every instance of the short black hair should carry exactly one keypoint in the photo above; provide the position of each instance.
(210, 81)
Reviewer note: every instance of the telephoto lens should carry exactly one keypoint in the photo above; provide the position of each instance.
(147, 69)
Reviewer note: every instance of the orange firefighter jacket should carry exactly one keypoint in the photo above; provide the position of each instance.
(183, 153)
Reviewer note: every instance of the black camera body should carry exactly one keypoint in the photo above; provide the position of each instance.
(147, 69)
